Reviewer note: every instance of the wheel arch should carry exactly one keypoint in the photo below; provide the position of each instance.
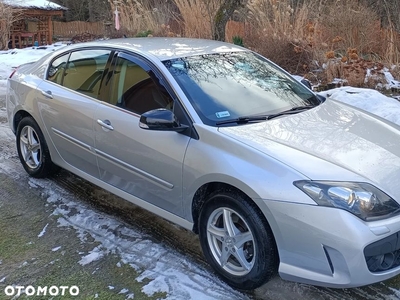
(204, 191)
(42, 165)
(251, 210)
(19, 115)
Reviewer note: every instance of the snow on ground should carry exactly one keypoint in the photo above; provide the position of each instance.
(164, 269)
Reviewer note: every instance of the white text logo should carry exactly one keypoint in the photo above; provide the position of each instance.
(42, 290)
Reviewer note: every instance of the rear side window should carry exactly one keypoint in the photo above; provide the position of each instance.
(57, 68)
(84, 71)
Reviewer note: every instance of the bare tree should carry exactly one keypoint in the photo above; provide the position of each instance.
(8, 15)
(86, 10)
(388, 11)
(224, 13)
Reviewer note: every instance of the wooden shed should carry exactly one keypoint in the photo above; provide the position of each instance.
(35, 26)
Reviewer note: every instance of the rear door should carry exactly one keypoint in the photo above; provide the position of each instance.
(68, 102)
(144, 163)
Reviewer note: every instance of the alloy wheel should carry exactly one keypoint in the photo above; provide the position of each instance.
(30, 147)
(231, 241)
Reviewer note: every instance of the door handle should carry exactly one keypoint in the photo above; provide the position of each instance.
(47, 94)
(105, 124)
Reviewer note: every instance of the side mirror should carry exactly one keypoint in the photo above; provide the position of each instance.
(307, 83)
(321, 98)
(160, 119)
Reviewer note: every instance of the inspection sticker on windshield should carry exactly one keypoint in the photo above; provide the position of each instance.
(223, 114)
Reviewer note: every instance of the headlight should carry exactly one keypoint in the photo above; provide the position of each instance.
(361, 199)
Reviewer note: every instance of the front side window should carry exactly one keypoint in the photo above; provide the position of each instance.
(84, 71)
(136, 89)
(234, 85)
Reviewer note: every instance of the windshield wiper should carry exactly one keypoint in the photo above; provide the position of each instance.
(243, 120)
(249, 119)
(293, 110)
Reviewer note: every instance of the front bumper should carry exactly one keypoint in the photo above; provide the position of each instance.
(328, 246)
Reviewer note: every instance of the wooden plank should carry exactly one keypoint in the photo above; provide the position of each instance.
(49, 31)
(42, 12)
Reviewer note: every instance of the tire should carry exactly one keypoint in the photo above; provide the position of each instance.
(32, 149)
(237, 240)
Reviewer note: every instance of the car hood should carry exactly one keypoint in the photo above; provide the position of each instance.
(332, 141)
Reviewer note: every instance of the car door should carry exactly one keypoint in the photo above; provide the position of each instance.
(144, 163)
(68, 102)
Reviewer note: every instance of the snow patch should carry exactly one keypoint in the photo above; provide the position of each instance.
(391, 82)
(56, 249)
(123, 291)
(43, 231)
(25, 263)
(396, 292)
(93, 255)
(368, 100)
(54, 261)
(31, 184)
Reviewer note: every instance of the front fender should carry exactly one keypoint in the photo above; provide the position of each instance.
(216, 157)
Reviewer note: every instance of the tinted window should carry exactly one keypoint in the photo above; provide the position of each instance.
(84, 71)
(56, 70)
(231, 85)
(137, 90)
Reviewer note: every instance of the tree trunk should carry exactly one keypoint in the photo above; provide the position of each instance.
(91, 10)
(222, 16)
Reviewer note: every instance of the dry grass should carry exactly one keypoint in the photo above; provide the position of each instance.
(347, 24)
(196, 17)
(391, 46)
(190, 18)
(395, 70)
(282, 33)
(336, 33)
(138, 16)
(301, 38)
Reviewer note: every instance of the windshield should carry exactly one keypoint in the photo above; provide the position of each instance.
(234, 85)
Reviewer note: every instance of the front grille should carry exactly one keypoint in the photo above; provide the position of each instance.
(384, 254)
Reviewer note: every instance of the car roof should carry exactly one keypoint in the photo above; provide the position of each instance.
(166, 48)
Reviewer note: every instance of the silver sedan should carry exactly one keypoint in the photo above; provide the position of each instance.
(219, 140)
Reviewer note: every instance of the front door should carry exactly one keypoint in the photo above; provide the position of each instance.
(144, 163)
